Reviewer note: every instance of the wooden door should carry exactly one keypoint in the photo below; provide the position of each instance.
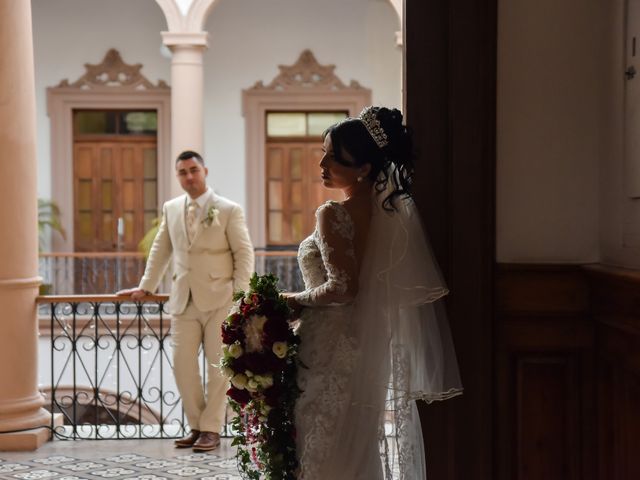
(294, 191)
(115, 191)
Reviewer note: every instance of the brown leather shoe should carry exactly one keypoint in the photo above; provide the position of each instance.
(188, 441)
(207, 441)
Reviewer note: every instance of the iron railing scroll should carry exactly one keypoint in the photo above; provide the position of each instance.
(111, 368)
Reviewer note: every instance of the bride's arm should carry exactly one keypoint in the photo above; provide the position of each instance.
(335, 239)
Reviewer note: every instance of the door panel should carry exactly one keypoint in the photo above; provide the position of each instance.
(294, 191)
(113, 180)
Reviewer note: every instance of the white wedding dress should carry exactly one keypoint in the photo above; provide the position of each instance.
(366, 353)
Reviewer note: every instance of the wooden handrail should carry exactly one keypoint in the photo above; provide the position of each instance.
(98, 298)
(258, 253)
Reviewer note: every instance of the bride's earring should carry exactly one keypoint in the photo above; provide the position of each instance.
(360, 179)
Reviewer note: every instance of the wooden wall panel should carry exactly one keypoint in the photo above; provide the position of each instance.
(545, 389)
(547, 433)
(615, 294)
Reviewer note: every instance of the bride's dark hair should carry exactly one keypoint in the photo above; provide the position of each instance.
(352, 136)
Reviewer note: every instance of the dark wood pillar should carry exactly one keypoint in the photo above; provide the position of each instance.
(450, 84)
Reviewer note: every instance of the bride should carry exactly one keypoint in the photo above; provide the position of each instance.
(374, 336)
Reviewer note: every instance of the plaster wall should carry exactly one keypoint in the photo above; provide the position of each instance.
(551, 134)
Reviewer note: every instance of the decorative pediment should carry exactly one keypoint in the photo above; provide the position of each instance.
(113, 72)
(307, 74)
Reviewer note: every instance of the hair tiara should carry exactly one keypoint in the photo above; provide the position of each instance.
(372, 124)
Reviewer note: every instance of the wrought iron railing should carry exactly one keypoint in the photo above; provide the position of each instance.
(91, 273)
(110, 368)
(105, 361)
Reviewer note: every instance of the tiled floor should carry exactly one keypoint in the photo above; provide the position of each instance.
(119, 459)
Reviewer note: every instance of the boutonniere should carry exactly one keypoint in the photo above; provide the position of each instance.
(212, 217)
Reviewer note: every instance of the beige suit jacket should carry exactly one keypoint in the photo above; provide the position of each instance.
(218, 261)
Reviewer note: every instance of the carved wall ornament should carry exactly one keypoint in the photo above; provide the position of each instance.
(307, 74)
(113, 72)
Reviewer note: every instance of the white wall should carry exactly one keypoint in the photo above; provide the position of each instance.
(620, 216)
(550, 140)
(69, 33)
(248, 39)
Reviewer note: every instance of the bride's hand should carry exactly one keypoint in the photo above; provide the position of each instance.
(293, 304)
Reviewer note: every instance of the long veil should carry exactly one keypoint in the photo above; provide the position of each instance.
(405, 350)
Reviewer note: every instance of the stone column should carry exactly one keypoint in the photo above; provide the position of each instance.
(187, 98)
(20, 401)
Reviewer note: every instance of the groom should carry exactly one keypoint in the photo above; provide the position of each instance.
(206, 237)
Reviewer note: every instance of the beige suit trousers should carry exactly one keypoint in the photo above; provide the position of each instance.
(191, 329)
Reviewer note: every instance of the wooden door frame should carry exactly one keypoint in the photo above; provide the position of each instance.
(304, 86)
(109, 85)
(450, 94)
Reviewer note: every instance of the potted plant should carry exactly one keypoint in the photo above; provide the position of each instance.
(48, 218)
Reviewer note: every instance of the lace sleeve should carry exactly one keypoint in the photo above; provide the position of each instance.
(334, 236)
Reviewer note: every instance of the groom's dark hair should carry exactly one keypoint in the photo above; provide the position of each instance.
(187, 154)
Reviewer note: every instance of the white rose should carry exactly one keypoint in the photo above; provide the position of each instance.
(235, 350)
(225, 350)
(280, 349)
(239, 381)
(265, 409)
(252, 385)
(264, 380)
(227, 372)
(248, 373)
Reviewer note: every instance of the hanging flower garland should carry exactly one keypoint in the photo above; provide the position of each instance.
(259, 359)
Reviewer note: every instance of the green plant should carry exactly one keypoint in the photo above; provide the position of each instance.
(49, 217)
(144, 245)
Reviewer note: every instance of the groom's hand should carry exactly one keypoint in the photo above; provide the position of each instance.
(134, 293)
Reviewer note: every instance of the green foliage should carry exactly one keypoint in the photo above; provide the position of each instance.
(49, 217)
(144, 245)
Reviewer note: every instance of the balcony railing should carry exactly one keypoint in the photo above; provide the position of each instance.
(105, 361)
(106, 367)
(91, 273)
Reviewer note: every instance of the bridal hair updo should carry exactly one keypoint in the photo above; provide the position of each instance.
(386, 145)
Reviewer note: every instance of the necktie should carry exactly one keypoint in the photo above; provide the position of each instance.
(192, 220)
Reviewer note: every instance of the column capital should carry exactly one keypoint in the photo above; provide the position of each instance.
(185, 39)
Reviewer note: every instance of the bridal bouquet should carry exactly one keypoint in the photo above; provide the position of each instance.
(259, 358)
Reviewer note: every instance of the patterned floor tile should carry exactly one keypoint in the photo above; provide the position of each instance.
(126, 458)
(189, 471)
(36, 474)
(12, 467)
(119, 460)
(150, 476)
(225, 463)
(157, 464)
(115, 472)
(195, 457)
(82, 466)
(222, 476)
(55, 460)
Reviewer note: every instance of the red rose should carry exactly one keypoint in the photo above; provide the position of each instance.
(239, 396)
(275, 330)
(232, 332)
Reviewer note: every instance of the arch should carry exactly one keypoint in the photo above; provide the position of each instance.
(194, 19)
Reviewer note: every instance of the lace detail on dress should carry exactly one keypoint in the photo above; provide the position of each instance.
(327, 259)
(324, 400)
(327, 351)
